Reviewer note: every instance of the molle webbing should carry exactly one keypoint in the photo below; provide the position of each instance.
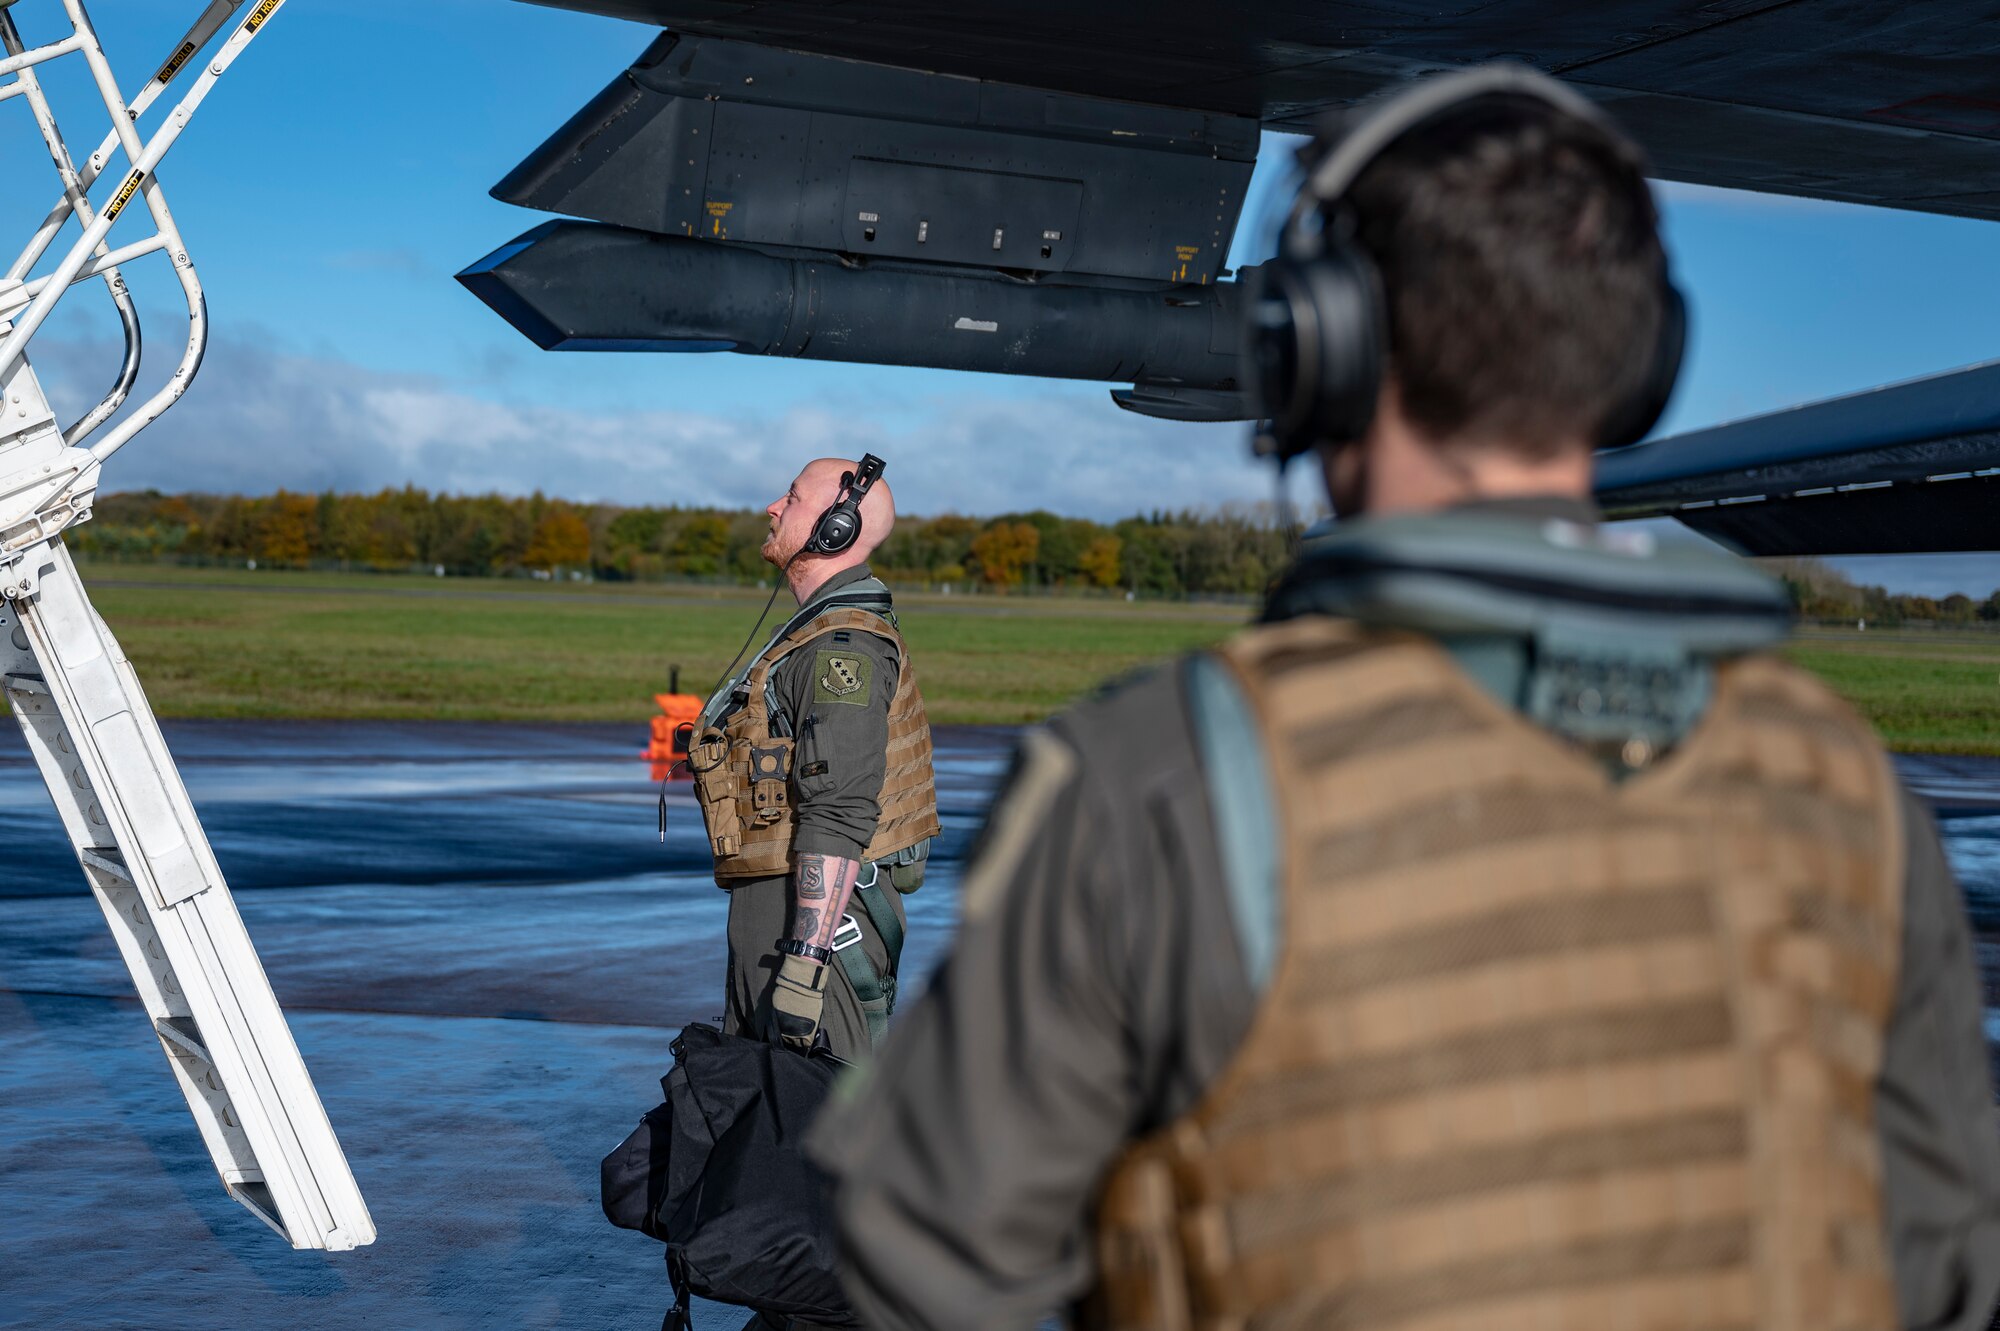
(1542, 1050)
(750, 820)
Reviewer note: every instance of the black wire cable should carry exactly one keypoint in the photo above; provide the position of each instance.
(752, 636)
(1285, 513)
(1288, 515)
(1264, 443)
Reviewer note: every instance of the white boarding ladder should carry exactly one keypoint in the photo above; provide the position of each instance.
(79, 703)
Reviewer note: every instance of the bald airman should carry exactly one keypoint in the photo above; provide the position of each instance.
(813, 768)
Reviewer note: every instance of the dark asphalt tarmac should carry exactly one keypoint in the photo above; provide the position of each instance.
(485, 950)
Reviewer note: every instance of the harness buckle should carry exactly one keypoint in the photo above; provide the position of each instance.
(772, 764)
(847, 935)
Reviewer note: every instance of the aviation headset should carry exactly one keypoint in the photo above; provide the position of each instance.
(840, 526)
(1318, 325)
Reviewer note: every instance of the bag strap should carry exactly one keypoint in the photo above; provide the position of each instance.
(874, 899)
(1240, 799)
(679, 1317)
(876, 990)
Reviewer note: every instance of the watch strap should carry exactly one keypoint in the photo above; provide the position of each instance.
(798, 947)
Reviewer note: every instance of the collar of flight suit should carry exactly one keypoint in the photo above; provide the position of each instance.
(857, 585)
(1517, 567)
(1600, 634)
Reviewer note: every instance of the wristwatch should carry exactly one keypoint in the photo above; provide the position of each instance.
(798, 947)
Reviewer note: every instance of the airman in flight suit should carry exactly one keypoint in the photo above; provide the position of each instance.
(813, 768)
(1499, 934)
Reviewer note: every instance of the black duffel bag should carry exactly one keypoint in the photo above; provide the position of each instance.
(719, 1174)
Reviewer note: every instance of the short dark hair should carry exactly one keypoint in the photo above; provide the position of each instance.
(1521, 267)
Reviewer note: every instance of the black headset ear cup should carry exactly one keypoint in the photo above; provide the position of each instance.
(1347, 293)
(1270, 346)
(1316, 347)
(1636, 415)
(836, 529)
(1271, 349)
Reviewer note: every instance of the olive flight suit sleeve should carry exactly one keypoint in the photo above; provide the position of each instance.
(836, 692)
(1934, 1108)
(1093, 992)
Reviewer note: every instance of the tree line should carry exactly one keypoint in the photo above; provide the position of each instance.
(1821, 592)
(1232, 551)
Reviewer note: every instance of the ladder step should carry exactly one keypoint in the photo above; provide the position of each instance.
(183, 1034)
(109, 861)
(257, 1196)
(30, 684)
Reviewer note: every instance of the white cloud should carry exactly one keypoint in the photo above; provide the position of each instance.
(259, 419)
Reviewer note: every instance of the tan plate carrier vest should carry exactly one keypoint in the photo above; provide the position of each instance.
(1541, 1051)
(742, 772)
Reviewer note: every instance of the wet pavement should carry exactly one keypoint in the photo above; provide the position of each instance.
(485, 949)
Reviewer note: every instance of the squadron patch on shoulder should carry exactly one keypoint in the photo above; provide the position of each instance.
(842, 677)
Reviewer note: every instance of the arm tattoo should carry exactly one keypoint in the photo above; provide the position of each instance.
(821, 887)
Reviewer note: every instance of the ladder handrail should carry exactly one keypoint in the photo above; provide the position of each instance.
(79, 203)
(141, 181)
(199, 34)
(41, 54)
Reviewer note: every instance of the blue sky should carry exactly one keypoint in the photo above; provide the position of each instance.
(338, 177)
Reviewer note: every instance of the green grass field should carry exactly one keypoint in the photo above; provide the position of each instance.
(231, 643)
(1926, 691)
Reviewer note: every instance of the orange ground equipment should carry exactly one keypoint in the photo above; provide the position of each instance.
(672, 729)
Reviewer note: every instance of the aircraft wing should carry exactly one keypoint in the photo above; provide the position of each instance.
(1051, 187)
(1907, 468)
(1883, 104)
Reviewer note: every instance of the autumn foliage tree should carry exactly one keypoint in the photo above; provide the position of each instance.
(285, 529)
(1232, 552)
(1004, 551)
(1099, 561)
(560, 540)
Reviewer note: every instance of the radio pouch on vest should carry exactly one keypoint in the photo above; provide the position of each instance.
(708, 760)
